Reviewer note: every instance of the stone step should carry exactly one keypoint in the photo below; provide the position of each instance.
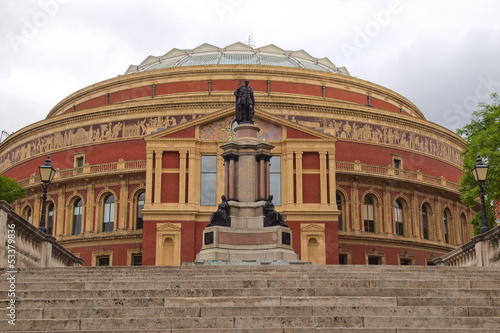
(245, 322)
(257, 301)
(292, 330)
(254, 311)
(252, 283)
(228, 292)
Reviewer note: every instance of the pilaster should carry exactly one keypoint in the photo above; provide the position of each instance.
(158, 175)
(323, 177)
(298, 176)
(149, 177)
(182, 176)
(87, 223)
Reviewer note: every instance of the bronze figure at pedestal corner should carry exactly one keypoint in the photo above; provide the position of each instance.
(244, 104)
(272, 217)
(221, 216)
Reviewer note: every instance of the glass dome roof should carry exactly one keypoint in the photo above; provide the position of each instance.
(237, 54)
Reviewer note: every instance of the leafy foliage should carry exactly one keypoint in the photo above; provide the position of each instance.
(10, 191)
(482, 135)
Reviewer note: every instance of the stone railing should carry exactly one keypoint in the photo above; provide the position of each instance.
(390, 171)
(87, 169)
(23, 245)
(482, 251)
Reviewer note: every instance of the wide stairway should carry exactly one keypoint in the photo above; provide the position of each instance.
(270, 299)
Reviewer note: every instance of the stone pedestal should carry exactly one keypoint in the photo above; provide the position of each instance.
(247, 187)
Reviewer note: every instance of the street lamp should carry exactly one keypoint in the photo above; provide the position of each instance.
(47, 173)
(480, 171)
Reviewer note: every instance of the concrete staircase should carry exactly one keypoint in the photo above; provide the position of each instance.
(254, 299)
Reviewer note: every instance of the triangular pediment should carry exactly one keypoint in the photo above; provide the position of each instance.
(205, 48)
(302, 55)
(175, 53)
(168, 227)
(216, 126)
(313, 227)
(239, 46)
(150, 60)
(271, 48)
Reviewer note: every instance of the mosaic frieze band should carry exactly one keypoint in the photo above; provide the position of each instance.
(221, 130)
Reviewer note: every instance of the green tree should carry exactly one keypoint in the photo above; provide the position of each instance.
(10, 191)
(482, 135)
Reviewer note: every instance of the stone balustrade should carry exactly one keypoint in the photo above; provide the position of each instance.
(87, 169)
(23, 245)
(390, 171)
(482, 251)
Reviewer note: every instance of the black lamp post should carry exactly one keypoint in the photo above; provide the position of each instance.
(480, 171)
(47, 173)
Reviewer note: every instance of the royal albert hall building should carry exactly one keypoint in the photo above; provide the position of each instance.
(358, 172)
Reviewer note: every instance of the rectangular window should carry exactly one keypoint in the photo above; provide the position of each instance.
(398, 165)
(103, 261)
(137, 260)
(369, 218)
(275, 181)
(79, 160)
(208, 180)
(342, 259)
(405, 262)
(374, 260)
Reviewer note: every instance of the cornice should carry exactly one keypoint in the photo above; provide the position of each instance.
(235, 72)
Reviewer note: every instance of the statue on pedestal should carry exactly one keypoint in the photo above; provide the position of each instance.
(221, 215)
(272, 217)
(244, 104)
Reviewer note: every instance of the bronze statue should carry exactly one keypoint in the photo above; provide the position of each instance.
(221, 215)
(244, 104)
(272, 217)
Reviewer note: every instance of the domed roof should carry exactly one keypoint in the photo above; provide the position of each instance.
(237, 54)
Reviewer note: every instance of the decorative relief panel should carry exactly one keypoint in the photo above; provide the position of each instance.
(221, 130)
(88, 135)
(382, 134)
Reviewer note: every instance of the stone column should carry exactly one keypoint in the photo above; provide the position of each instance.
(388, 209)
(332, 181)
(323, 177)
(182, 176)
(289, 186)
(158, 175)
(122, 219)
(149, 178)
(355, 218)
(438, 219)
(415, 215)
(192, 177)
(61, 196)
(298, 177)
(87, 223)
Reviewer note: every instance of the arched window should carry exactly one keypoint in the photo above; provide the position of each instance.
(108, 218)
(140, 206)
(398, 217)
(27, 214)
(77, 217)
(425, 222)
(339, 207)
(369, 214)
(446, 219)
(50, 218)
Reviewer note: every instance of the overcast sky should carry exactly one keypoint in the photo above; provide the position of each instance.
(444, 56)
